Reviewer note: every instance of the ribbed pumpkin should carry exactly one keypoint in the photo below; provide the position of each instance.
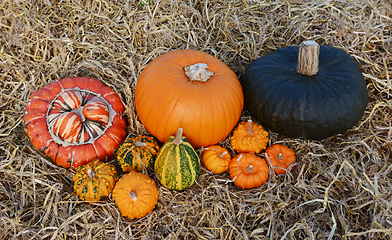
(192, 90)
(307, 91)
(249, 137)
(95, 180)
(135, 195)
(216, 158)
(137, 152)
(177, 163)
(280, 158)
(248, 171)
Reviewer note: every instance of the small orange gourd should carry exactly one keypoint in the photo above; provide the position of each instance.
(248, 171)
(135, 195)
(249, 137)
(281, 158)
(216, 159)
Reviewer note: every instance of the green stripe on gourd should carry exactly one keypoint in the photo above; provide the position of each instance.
(177, 163)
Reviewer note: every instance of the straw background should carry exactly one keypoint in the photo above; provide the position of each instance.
(340, 187)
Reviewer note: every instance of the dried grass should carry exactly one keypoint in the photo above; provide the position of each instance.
(339, 189)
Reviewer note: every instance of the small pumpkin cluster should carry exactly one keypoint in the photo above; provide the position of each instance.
(135, 193)
(247, 169)
(176, 164)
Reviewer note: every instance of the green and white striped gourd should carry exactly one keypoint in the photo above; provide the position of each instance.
(177, 163)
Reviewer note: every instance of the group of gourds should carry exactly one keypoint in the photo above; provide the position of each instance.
(188, 100)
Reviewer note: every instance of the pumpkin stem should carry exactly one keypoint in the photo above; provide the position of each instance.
(91, 173)
(222, 155)
(178, 137)
(308, 58)
(133, 195)
(198, 72)
(280, 156)
(249, 168)
(140, 144)
(249, 127)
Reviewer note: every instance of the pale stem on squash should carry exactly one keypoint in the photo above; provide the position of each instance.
(91, 173)
(249, 127)
(249, 168)
(140, 144)
(198, 72)
(308, 58)
(222, 155)
(133, 195)
(280, 156)
(178, 137)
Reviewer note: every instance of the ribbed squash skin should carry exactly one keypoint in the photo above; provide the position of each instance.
(166, 99)
(136, 152)
(312, 107)
(177, 166)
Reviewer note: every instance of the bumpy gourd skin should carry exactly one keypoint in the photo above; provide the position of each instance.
(135, 195)
(312, 107)
(137, 152)
(95, 180)
(244, 141)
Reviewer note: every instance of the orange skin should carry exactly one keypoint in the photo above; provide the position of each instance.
(55, 128)
(135, 195)
(281, 158)
(216, 159)
(249, 137)
(167, 100)
(248, 171)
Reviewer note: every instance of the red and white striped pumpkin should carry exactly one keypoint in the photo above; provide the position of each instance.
(75, 120)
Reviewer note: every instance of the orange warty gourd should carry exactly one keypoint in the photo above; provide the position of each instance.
(281, 158)
(249, 137)
(135, 195)
(248, 171)
(216, 159)
(192, 90)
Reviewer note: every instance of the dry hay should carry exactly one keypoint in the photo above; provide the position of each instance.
(339, 189)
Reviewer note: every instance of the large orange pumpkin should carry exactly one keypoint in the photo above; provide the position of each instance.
(75, 120)
(192, 90)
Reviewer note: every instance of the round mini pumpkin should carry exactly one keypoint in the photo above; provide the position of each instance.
(137, 152)
(216, 159)
(177, 164)
(135, 195)
(192, 90)
(281, 158)
(248, 171)
(95, 180)
(307, 91)
(75, 120)
(249, 137)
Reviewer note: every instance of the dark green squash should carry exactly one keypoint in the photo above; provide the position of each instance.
(296, 105)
